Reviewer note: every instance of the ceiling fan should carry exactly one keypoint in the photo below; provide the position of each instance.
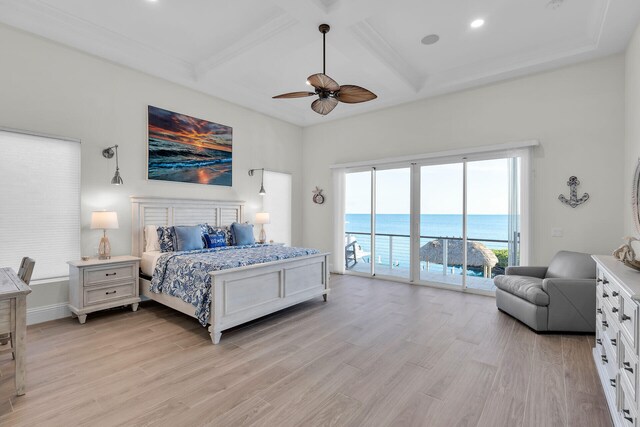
(329, 92)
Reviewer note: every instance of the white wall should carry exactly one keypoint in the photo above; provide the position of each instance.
(577, 114)
(48, 88)
(632, 133)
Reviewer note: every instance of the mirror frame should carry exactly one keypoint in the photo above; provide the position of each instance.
(635, 197)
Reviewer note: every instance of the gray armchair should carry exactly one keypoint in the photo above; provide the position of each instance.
(561, 297)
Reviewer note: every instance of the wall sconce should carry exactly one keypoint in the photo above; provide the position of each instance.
(261, 192)
(108, 153)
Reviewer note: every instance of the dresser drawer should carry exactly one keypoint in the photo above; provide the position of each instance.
(612, 336)
(610, 344)
(627, 408)
(102, 275)
(628, 365)
(106, 294)
(629, 319)
(608, 361)
(602, 321)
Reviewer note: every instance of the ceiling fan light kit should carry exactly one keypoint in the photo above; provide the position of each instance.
(329, 92)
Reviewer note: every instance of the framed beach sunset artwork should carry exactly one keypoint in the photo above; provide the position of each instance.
(186, 149)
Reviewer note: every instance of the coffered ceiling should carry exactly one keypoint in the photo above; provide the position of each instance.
(246, 51)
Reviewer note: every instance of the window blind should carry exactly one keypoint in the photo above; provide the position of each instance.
(39, 202)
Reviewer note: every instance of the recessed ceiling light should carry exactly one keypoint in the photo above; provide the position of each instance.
(430, 39)
(477, 23)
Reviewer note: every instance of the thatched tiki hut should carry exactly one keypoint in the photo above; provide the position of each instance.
(478, 255)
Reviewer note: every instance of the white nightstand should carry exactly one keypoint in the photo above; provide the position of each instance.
(98, 284)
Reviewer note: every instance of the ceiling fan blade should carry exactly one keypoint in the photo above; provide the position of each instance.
(294, 95)
(322, 81)
(324, 105)
(353, 94)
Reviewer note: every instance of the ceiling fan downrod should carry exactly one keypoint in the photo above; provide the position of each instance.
(324, 29)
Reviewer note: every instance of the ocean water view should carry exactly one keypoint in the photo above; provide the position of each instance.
(173, 161)
(394, 251)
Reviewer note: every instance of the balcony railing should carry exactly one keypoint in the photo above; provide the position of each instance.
(393, 253)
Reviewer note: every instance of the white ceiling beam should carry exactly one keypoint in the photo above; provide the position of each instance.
(52, 23)
(251, 41)
(388, 56)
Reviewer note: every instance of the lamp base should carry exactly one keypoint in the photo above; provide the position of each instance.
(104, 249)
(262, 238)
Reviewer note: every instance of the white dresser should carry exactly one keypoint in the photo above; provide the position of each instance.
(616, 351)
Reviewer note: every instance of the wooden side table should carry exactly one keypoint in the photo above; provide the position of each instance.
(13, 320)
(98, 284)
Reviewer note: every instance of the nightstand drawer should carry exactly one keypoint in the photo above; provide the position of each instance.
(101, 275)
(106, 294)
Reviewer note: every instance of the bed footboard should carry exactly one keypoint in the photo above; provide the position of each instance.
(243, 294)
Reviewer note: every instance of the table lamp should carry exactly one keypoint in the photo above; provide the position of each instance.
(105, 221)
(262, 218)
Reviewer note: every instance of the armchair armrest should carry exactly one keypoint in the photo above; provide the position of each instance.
(572, 304)
(538, 272)
(565, 285)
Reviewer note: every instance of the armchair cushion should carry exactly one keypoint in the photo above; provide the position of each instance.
(572, 265)
(525, 287)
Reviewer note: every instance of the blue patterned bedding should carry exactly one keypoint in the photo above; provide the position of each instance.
(186, 274)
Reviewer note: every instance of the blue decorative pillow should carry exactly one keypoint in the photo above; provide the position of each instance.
(242, 234)
(215, 240)
(166, 239)
(188, 238)
(223, 230)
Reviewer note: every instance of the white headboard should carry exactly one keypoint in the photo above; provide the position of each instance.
(165, 211)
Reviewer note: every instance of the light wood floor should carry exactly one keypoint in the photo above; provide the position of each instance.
(378, 353)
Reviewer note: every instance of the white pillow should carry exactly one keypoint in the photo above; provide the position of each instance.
(151, 238)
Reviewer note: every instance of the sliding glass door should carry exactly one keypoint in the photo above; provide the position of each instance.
(441, 223)
(393, 222)
(357, 222)
(489, 221)
(453, 222)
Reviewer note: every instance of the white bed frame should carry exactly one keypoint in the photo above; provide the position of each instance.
(241, 294)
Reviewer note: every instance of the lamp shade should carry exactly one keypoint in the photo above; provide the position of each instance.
(105, 220)
(263, 218)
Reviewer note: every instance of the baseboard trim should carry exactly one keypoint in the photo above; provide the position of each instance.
(47, 312)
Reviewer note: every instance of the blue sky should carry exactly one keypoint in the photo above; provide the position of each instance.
(441, 189)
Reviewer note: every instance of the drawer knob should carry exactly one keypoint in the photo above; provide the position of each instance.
(626, 413)
(605, 295)
(604, 359)
(614, 309)
(605, 281)
(605, 324)
(615, 294)
(110, 292)
(627, 367)
(625, 318)
(598, 280)
(110, 274)
(599, 311)
(613, 341)
(612, 381)
(599, 341)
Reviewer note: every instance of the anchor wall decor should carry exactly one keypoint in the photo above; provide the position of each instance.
(573, 199)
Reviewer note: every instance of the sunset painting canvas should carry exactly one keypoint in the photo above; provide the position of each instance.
(186, 149)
